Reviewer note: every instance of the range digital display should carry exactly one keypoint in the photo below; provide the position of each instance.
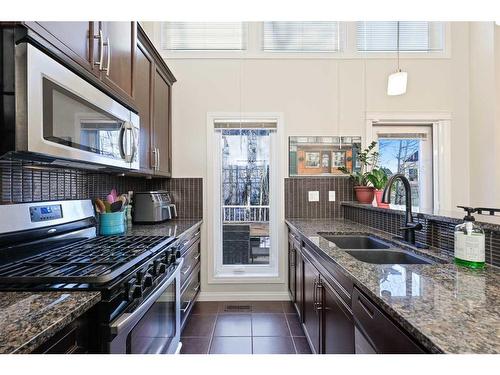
(46, 213)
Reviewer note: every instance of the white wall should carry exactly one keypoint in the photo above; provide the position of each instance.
(317, 97)
(484, 114)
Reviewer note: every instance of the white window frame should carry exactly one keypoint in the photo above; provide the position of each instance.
(426, 183)
(254, 274)
(441, 146)
(254, 44)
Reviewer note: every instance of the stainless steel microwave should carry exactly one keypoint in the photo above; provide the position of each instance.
(62, 117)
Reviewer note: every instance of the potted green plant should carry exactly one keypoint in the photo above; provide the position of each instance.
(366, 159)
(378, 178)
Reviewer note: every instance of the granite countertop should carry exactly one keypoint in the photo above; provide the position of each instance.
(174, 228)
(28, 319)
(448, 309)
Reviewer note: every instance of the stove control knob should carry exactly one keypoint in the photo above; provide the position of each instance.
(171, 259)
(162, 268)
(139, 276)
(155, 269)
(148, 280)
(177, 254)
(136, 291)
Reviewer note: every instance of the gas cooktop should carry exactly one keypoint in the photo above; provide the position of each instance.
(95, 260)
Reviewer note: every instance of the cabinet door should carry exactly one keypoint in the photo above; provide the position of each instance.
(143, 87)
(299, 283)
(291, 269)
(311, 313)
(77, 38)
(162, 125)
(119, 51)
(338, 323)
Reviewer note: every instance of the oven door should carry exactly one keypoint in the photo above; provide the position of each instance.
(154, 326)
(68, 118)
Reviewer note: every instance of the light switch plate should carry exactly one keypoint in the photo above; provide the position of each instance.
(331, 196)
(314, 196)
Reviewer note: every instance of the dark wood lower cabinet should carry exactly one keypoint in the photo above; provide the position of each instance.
(338, 318)
(338, 323)
(378, 333)
(311, 314)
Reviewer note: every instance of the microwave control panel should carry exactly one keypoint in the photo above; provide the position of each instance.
(46, 213)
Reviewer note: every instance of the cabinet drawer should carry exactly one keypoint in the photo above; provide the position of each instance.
(383, 335)
(341, 283)
(191, 259)
(184, 243)
(189, 293)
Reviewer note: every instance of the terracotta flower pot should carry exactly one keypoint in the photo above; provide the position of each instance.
(364, 194)
(378, 198)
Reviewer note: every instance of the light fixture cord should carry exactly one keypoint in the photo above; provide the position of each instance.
(398, 46)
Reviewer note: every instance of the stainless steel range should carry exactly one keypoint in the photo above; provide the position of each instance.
(53, 246)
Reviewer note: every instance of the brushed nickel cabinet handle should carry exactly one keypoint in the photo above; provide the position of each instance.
(101, 48)
(108, 43)
(186, 270)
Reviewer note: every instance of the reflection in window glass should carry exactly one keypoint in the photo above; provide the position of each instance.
(245, 195)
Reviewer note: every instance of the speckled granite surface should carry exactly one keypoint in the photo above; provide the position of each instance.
(173, 228)
(448, 309)
(28, 319)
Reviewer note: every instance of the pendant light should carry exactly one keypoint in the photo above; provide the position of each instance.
(396, 83)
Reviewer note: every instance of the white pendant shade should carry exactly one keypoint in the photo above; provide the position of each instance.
(396, 83)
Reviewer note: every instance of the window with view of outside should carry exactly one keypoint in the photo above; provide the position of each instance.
(401, 156)
(245, 196)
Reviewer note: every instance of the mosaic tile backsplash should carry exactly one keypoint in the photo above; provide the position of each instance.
(26, 182)
(434, 233)
(297, 203)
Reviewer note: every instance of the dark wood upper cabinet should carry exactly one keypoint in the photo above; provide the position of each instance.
(143, 90)
(119, 59)
(153, 95)
(119, 43)
(76, 38)
(162, 124)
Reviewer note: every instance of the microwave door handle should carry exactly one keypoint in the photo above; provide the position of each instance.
(127, 126)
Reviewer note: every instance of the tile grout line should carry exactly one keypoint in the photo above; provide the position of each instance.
(289, 330)
(213, 330)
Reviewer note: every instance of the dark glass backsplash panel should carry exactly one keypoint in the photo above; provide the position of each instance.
(28, 182)
(434, 233)
(297, 204)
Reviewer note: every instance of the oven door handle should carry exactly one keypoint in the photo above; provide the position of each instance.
(129, 320)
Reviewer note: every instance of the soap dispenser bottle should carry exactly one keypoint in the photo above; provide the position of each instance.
(469, 242)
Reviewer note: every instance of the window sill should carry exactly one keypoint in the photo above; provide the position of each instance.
(246, 278)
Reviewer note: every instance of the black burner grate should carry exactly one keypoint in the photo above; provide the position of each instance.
(95, 260)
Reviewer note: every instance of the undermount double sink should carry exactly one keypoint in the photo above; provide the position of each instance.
(370, 249)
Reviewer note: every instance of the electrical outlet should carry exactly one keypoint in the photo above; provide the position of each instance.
(314, 196)
(331, 196)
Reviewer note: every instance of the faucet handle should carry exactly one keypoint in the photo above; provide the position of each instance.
(412, 226)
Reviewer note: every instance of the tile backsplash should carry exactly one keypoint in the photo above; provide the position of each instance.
(297, 204)
(24, 181)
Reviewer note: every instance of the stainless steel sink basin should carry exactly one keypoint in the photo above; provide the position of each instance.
(356, 242)
(387, 257)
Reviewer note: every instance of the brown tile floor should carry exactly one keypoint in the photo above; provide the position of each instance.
(263, 327)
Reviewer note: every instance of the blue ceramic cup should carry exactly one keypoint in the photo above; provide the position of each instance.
(112, 223)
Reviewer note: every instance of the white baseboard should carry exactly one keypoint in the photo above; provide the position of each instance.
(244, 296)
